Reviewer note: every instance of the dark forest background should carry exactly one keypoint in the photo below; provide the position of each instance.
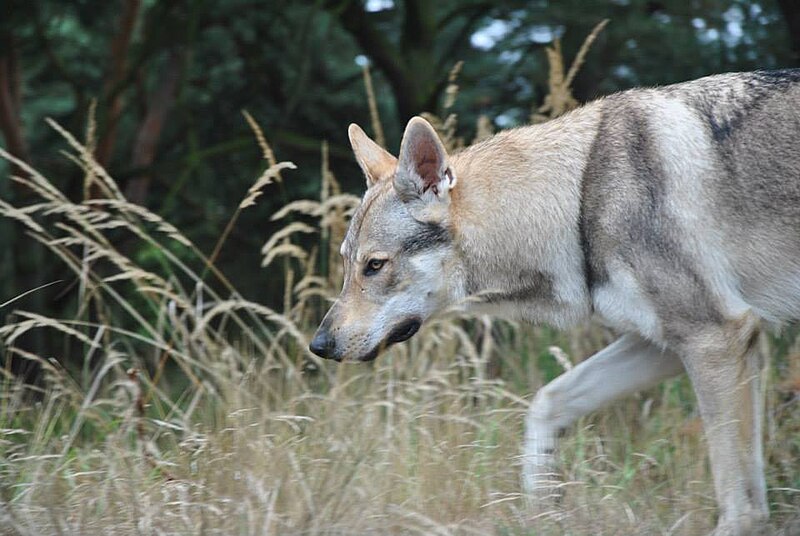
(168, 81)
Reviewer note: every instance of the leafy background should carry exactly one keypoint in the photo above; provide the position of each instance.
(159, 382)
(171, 78)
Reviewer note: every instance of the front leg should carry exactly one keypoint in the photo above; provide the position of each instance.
(628, 365)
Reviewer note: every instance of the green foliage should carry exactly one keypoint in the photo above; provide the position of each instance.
(168, 398)
(293, 66)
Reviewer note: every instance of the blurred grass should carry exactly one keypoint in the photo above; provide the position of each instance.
(181, 407)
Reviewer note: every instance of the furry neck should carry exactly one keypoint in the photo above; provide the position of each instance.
(515, 215)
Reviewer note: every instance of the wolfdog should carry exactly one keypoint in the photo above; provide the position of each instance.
(671, 214)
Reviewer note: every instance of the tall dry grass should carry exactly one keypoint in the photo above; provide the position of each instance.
(195, 411)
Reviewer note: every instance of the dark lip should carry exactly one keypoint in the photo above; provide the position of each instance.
(403, 332)
(371, 355)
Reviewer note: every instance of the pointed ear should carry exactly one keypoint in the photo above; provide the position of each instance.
(375, 161)
(422, 170)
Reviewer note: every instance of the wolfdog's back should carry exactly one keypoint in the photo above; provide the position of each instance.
(713, 167)
(754, 120)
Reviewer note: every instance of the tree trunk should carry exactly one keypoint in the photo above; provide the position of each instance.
(415, 66)
(149, 132)
(22, 262)
(11, 100)
(111, 89)
(791, 14)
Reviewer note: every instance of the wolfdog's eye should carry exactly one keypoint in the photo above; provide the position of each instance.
(373, 266)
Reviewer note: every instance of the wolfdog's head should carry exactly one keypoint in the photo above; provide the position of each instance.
(400, 265)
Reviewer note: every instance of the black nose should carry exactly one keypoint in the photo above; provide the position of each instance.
(323, 344)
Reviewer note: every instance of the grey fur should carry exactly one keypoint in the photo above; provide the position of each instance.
(754, 131)
(672, 214)
(531, 286)
(428, 235)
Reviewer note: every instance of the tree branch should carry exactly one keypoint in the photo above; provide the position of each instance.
(119, 53)
(419, 25)
(149, 132)
(11, 100)
(386, 56)
(791, 14)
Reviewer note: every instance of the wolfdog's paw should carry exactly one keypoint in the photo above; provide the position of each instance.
(754, 524)
(543, 496)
